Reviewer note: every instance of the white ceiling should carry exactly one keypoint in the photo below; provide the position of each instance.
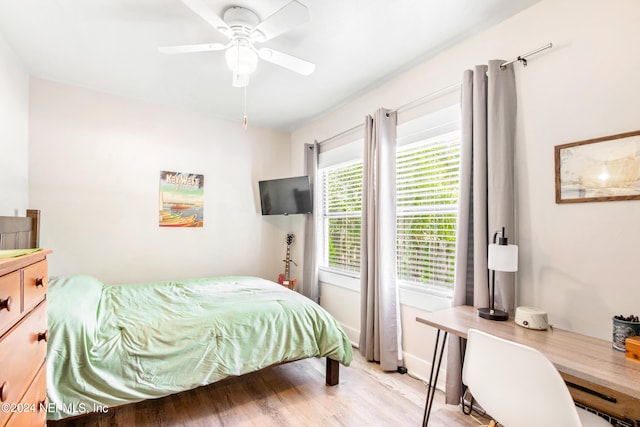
(111, 46)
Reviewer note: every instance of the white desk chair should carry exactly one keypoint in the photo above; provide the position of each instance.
(518, 386)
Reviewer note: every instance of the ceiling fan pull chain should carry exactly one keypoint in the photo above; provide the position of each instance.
(244, 118)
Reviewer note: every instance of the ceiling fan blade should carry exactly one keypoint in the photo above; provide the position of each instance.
(287, 61)
(202, 10)
(189, 48)
(289, 16)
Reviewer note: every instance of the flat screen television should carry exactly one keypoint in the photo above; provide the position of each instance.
(286, 196)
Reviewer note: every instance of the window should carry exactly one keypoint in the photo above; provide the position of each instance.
(341, 212)
(427, 200)
(428, 162)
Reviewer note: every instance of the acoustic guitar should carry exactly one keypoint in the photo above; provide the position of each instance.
(285, 279)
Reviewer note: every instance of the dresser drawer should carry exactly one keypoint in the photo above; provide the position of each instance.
(32, 410)
(34, 281)
(23, 351)
(9, 300)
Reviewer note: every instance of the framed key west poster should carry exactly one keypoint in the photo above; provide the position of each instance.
(181, 199)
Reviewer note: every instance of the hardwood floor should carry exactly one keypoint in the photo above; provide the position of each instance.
(291, 395)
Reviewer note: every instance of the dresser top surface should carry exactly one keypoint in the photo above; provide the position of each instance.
(7, 265)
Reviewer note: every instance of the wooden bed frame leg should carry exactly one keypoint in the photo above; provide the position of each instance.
(333, 372)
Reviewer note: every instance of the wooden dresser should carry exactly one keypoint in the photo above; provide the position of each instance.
(23, 339)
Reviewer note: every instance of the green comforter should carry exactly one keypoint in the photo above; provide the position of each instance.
(115, 344)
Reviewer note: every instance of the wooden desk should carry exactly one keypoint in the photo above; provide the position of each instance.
(597, 375)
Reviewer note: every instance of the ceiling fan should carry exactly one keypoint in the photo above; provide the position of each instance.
(244, 30)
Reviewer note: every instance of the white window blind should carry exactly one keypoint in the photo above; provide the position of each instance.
(427, 200)
(341, 211)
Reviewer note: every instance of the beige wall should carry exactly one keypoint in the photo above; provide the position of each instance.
(95, 161)
(14, 111)
(580, 261)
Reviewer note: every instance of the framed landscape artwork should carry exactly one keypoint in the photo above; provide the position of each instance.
(600, 169)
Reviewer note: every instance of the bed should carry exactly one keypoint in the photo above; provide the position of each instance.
(110, 345)
(115, 344)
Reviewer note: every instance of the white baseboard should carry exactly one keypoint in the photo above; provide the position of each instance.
(353, 335)
(417, 367)
(421, 368)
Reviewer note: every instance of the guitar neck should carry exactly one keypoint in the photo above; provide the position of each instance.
(287, 263)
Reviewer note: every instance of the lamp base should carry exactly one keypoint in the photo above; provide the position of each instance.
(488, 313)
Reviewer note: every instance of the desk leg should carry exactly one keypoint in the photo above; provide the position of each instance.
(463, 386)
(433, 379)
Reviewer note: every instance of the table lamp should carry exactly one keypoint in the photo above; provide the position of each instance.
(501, 257)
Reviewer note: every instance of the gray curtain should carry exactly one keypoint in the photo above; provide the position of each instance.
(486, 195)
(380, 331)
(310, 287)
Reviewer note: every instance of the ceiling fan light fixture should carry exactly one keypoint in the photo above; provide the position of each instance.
(241, 59)
(242, 27)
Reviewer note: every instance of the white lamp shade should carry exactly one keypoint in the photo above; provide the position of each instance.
(503, 257)
(241, 59)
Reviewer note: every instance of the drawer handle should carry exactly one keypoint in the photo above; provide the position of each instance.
(44, 336)
(39, 281)
(3, 391)
(5, 304)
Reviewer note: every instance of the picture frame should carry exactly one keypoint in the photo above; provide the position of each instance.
(598, 170)
(181, 199)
